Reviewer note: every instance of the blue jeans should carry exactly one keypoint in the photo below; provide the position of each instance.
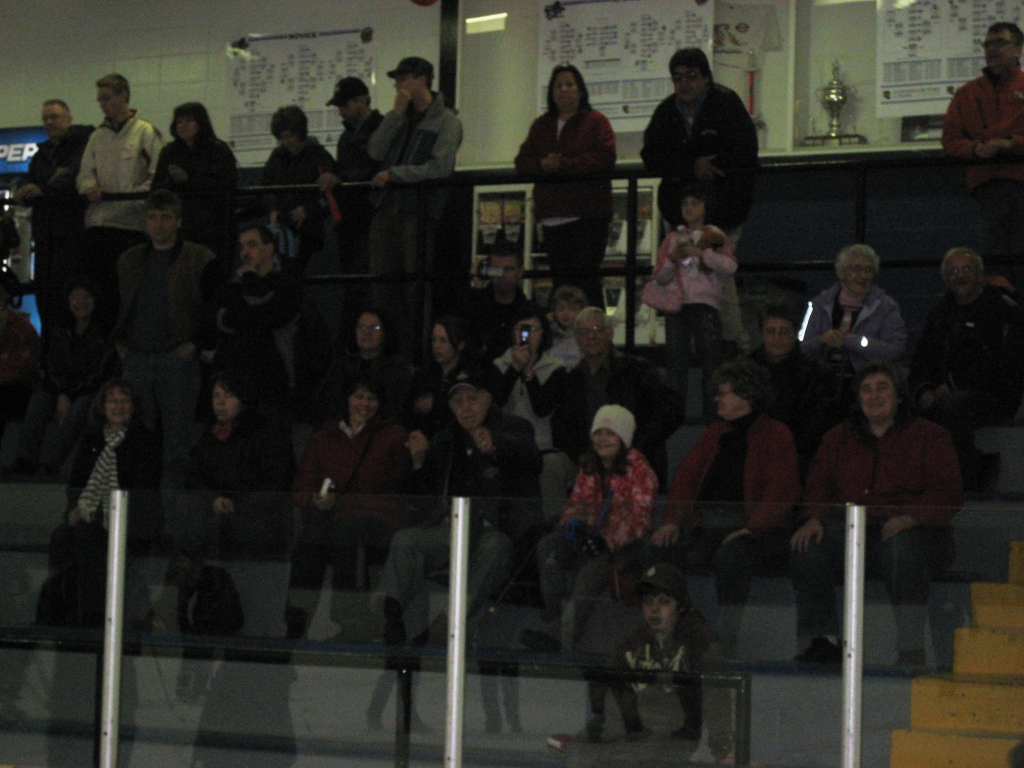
(701, 326)
(40, 411)
(906, 564)
(168, 393)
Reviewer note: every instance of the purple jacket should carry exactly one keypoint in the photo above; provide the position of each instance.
(878, 331)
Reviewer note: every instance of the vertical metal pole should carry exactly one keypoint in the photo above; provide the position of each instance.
(853, 632)
(632, 200)
(743, 706)
(113, 625)
(457, 586)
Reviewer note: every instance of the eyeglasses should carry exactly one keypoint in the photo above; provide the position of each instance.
(860, 269)
(367, 327)
(965, 270)
(690, 75)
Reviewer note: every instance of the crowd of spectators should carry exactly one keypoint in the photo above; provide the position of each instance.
(531, 410)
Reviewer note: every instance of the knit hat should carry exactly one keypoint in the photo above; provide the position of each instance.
(668, 579)
(618, 419)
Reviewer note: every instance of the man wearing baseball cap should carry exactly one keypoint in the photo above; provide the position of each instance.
(488, 456)
(416, 141)
(353, 163)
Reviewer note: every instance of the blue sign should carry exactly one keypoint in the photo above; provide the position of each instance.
(17, 145)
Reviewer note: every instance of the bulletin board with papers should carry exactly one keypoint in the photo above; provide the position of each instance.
(926, 49)
(266, 72)
(621, 48)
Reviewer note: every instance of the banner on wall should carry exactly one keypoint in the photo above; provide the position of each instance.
(622, 48)
(266, 72)
(926, 49)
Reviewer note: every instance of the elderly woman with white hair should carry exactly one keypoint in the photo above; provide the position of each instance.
(855, 321)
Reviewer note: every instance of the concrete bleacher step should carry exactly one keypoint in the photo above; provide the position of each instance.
(984, 651)
(967, 704)
(1017, 562)
(944, 749)
(996, 606)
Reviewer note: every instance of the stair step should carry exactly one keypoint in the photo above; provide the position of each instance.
(984, 651)
(1017, 562)
(997, 605)
(938, 749)
(977, 704)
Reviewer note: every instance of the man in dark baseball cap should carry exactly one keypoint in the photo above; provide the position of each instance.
(414, 66)
(347, 88)
(352, 98)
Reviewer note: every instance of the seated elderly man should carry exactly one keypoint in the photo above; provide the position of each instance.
(486, 455)
(606, 376)
(968, 370)
(806, 396)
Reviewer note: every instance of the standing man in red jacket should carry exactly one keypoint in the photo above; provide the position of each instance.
(985, 120)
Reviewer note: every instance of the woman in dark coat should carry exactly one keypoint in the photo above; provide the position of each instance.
(117, 453)
(194, 165)
(238, 479)
(79, 358)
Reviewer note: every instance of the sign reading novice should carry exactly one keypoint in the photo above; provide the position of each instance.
(622, 48)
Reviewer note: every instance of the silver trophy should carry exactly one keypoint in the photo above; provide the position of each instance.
(834, 97)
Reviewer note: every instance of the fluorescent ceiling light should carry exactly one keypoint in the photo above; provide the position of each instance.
(479, 24)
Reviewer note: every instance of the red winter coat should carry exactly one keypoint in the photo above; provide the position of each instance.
(771, 476)
(377, 457)
(629, 514)
(979, 111)
(587, 145)
(913, 468)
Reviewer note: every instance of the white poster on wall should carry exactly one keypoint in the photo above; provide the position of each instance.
(270, 71)
(622, 48)
(926, 49)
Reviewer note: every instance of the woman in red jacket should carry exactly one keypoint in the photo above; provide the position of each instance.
(904, 468)
(571, 139)
(732, 495)
(346, 468)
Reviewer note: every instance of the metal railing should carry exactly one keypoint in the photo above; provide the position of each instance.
(861, 166)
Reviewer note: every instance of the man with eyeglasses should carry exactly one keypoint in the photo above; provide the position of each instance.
(606, 376)
(701, 133)
(968, 370)
(985, 121)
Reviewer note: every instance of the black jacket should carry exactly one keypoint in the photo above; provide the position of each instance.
(254, 468)
(211, 167)
(354, 163)
(58, 214)
(633, 383)
(723, 129)
(454, 467)
(807, 398)
(977, 347)
(139, 467)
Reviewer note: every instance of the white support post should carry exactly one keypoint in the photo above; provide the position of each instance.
(853, 633)
(457, 587)
(112, 629)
